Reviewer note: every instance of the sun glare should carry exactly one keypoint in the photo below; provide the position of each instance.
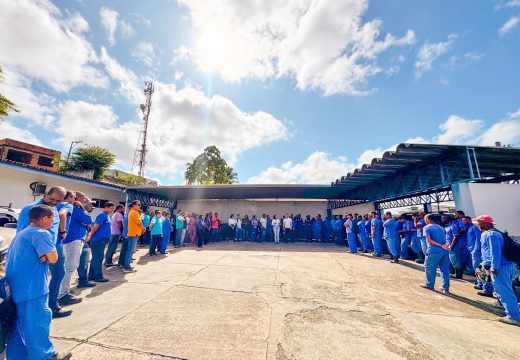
(213, 47)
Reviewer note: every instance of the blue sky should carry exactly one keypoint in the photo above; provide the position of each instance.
(290, 91)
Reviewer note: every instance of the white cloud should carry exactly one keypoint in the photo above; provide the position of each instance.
(128, 81)
(506, 131)
(323, 45)
(458, 130)
(509, 25)
(144, 52)
(318, 168)
(179, 54)
(182, 123)
(54, 49)
(429, 52)
(513, 3)
(109, 22)
(12, 132)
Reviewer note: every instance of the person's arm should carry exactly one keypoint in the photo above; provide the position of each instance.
(92, 232)
(433, 242)
(50, 258)
(152, 223)
(455, 232)
(120, 222)
(63, 222)
(23, 219)
(496, 252)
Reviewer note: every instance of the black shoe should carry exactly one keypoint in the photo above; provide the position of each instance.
(477, 287)
(69, 300)
(483, 293)
(458, 274)
(427, 288)
(396, 260)
(86, 285)
(61, 356)
(419, 261)
(61, 313)
(109, 265)
(101, 280)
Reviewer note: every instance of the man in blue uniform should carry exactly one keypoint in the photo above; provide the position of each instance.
(326, 229)
(474, 247)
(376, 228)
(32, 249)
(437, 255)
(316, 228)
(390, 234)
(501, 270)
(451, 228)
(462, 247)
(54, 196)
(361, 222)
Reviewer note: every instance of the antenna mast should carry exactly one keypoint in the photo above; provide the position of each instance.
(140, 152)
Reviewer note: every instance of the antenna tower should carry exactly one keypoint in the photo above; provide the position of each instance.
(140, 151)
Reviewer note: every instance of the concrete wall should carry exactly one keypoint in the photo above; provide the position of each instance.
(254, 207)
(501, 201)
(14, 186)
(359, 209)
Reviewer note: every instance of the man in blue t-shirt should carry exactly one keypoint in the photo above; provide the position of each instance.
(437, 255)
(376, 233)
(54, 196)
(98, 239)
(391, 236)
(500, 268)
(27, 265)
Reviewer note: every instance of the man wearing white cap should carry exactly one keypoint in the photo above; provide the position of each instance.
(501, 270)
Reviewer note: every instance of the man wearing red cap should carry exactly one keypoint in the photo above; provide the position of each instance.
(501, 270)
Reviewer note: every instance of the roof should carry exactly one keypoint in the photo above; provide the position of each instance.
(28, 147)
(240, 191)
(10, 163)
(413, 168)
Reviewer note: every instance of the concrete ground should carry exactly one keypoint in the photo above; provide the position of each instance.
(297, 301)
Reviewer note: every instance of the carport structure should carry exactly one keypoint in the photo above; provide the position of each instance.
(413, 174)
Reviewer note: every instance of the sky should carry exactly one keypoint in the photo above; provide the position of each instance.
(290, 91)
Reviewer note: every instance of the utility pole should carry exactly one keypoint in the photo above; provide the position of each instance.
(140, 153)
(72, 144)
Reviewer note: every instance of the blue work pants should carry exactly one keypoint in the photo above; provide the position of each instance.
(57, 273)
(377, 242)
(392, 246)
(351, 238)
(434, 261)
(502, 283)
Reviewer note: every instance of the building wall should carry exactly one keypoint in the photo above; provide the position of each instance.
(14, 186)
(254, 207)
(359, 209)
(501, 201)
(33, 151)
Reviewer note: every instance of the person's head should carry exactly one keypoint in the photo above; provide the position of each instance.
(445, 219)
(135, 205)
(467, 221)
(87, 205)
(200, 217)
(274, 217)
(109, 207)
(158, 214)
(253, 217)
(319, 216)
(54, 196)
(402, 219)
(459, 214)
(484, 222)
(388, 215)
(428, 219)
(70, 197)
(216, 214)
(41, 216)
(247, 217)
(268, 217)
(80, 196)
(238, 216)
(263, 216)
(120, 208)
(166, 214)
(232, 216)
(373, 214)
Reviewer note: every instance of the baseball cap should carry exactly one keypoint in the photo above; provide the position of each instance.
(484, 218)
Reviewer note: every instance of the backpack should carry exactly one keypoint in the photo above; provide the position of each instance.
(7, 313)
(511, 249)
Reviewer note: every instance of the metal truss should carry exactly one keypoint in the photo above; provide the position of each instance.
(147, 200)
(341, 203)
(432, 197)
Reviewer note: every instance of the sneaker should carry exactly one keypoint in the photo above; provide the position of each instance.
(61, 313)
(483, 293)
(426, 287)
(509, 321)
(126, 271)
(477, 287)
(109, 265)
(61, 356)
(69, 300)
(445, 291)
(101, 280)
(86, 285)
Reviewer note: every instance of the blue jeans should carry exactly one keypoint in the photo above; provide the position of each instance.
(112, 247)
(456, 258)
(263, 233)
(122, 254)
(132, 243)
(502, 282)
(97, 247)
(57, 273)
(238, 234)
(377, 242)
(83, 264)
(154, 243)
(30, 336)
(442, 261)
(178, 233)
(351, 238)
(392, 246)
(214, 234)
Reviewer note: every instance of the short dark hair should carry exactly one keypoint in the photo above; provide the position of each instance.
(40, 211)
(120, 206)
(109, 204)
(70, 193)
(157, 212)
(467, 218)
(135, 202)
(460, 212)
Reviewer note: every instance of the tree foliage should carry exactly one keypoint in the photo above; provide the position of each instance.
(209, 168)
(6, 105)
(91, 158)
(130, 179)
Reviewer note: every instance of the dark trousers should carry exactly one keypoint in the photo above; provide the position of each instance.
(145, 238)
(200, 237)
(97, 247)
(214, 235)
(122, 254)
(112, 247)
(154, 243)
(287, 235)
(57, 273)
(83, 264)
(206, 236)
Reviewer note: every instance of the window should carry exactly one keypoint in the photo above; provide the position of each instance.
(19, 156)
(45, 161)
(99, 203)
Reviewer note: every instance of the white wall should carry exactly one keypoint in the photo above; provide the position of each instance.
(355, 209)
(14, 186)
(501, 201)
(254, 207)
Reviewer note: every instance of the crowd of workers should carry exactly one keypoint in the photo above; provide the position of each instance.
(57, 233)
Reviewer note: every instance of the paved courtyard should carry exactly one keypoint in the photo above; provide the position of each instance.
(300, 301)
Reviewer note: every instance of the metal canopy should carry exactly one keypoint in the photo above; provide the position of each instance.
(411, 170)
(418, 168)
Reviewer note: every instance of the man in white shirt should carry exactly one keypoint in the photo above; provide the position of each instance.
(238, 230)
(287, 228)
(263, 226)
(232, 226)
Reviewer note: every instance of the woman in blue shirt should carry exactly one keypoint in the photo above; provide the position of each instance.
(156, 231)
(167, 229)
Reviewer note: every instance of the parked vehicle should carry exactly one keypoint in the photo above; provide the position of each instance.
(8, 215)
